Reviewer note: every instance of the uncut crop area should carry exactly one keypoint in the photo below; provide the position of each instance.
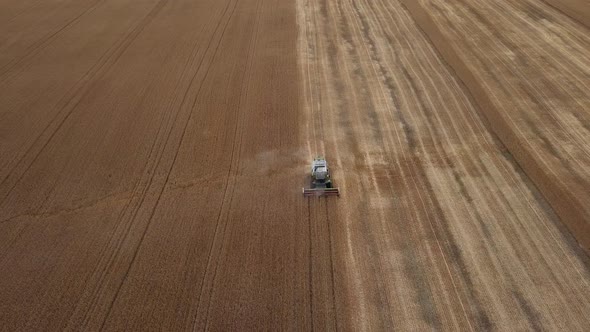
(152, 155)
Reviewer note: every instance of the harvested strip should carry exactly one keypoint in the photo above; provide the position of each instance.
(527, 65)
(438, 226)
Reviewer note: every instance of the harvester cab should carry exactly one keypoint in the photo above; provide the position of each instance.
(321, 183)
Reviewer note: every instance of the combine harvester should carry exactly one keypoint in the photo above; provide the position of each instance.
(321, 184)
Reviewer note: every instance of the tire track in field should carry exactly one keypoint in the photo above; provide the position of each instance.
(24, 10)
(43, 42)
(230, 182)
(101, 148)
(143, 187)
(71, 100)
(225, 103)
(77, 97)
(310, 266)
(151, 173)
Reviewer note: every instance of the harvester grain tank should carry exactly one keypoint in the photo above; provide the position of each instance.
(321, 183)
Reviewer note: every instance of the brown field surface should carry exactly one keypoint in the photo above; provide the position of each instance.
(577, 9)
(152, 155)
